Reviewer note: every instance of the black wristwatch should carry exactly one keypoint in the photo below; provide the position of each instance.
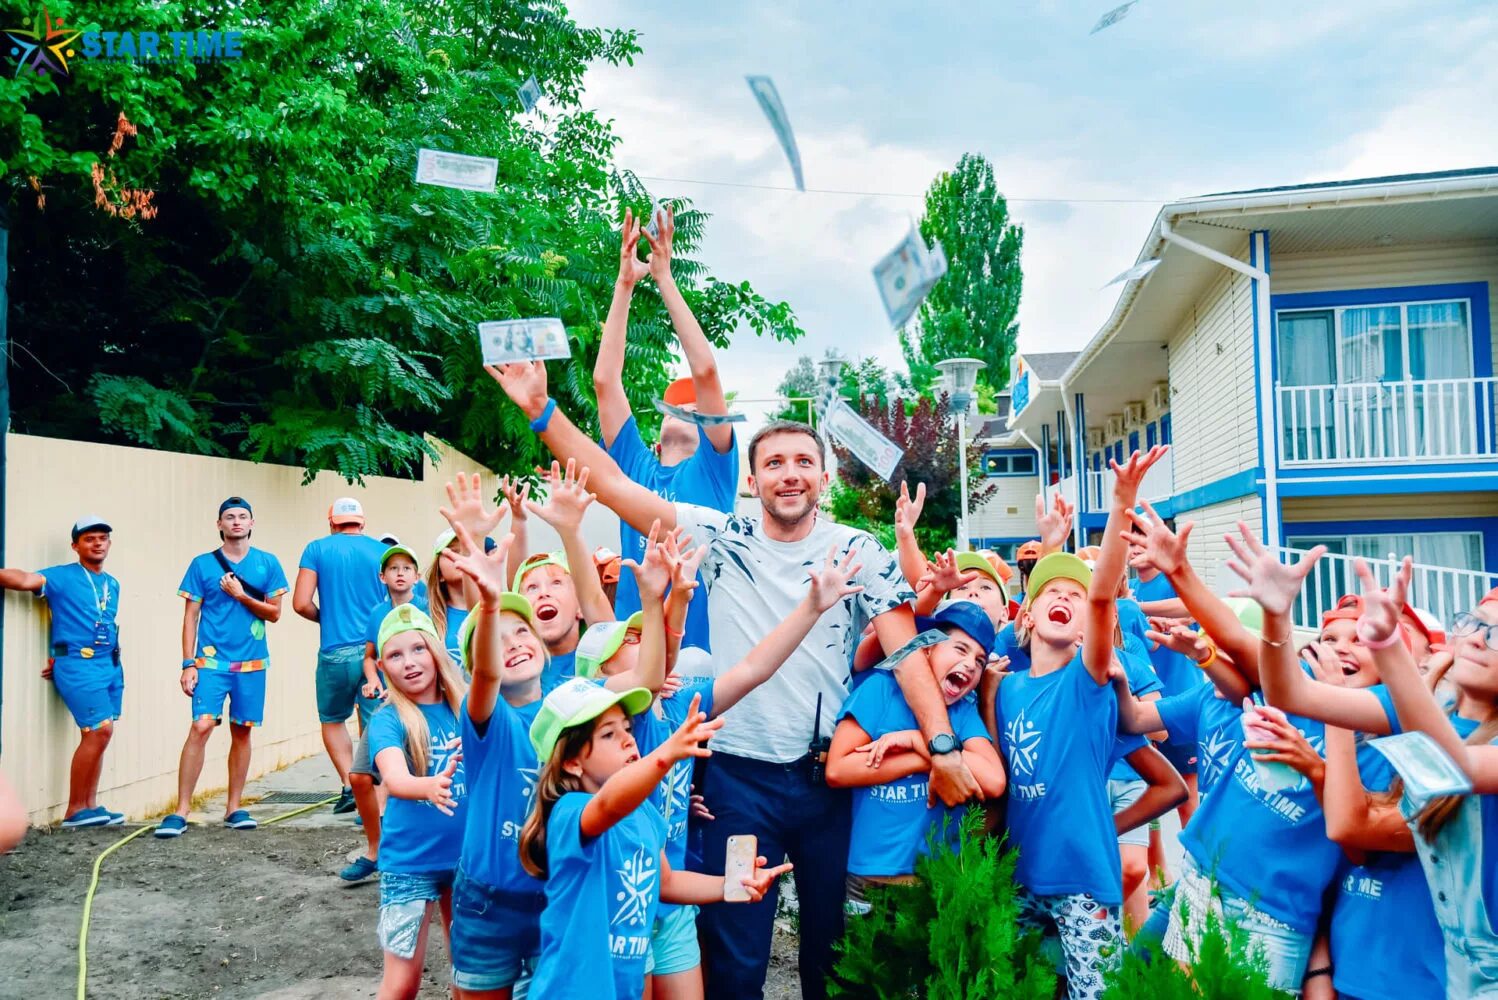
(942, 743)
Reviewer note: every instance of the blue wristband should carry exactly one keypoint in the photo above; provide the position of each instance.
(540, 423)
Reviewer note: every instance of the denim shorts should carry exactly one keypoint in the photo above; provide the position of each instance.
(403, 907)
(1122, 794)
(496, 935)
(1284, 950)
(340, 675)
(673, 942)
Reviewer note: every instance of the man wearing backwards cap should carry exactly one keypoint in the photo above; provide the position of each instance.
(229, 594)
(343, 571)
(697, 465)
(83, 658)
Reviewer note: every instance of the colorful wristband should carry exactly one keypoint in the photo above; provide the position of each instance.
(189, 663)
(540, 423)
(1383, 643)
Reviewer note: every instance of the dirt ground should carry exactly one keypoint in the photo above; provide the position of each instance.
(218, 913)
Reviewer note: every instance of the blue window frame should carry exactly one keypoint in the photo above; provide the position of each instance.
(1149, 435)
(999, 464)
(1133, 442)
(1165, 428)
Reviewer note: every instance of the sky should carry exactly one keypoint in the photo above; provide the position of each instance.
(1089, 135)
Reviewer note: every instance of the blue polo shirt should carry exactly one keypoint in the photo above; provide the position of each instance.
(83, 606)
(230, 636)
(348, 585)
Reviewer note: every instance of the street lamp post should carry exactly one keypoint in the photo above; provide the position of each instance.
(960, 378)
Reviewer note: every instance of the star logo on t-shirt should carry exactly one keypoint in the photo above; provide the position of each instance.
(637, 878)
(1024, 745)
(528, 776)
(1216, 753)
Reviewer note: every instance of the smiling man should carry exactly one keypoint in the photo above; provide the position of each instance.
(764, 780)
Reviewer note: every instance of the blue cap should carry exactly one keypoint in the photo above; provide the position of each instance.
(965, 615)
(233, 502)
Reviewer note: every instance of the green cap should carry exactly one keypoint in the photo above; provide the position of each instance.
(1250, 614)
(973, 561)
(575, 702)
(536, 562)
(443, 541)
(1056, 566)
(507, 602)
(601, 641)
(406, 618)
(398, 550)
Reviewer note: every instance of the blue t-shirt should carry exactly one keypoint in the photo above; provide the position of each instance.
(707, 479)
(1058, 734)
(376, 615)
(1270, 847)
(348, 584)
(230, 637)
(83, 606)
(1198, 716)
(561, 669)
(673, 796)
(601, 898)
(1131, 620)
(416, 837)
(1175, 670)
(891, 822)
(455, 619)
(501, 764)
(1005, 644)
(1142, 681)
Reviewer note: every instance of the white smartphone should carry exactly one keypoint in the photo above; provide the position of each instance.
(738, 865)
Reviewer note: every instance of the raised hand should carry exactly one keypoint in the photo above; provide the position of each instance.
(1381, 606)
(908, 510)
(834, 581)
(659, 260)
(759, 883)
(653, 571)
(1054, 525)
(946, 577)
(688, 739)
(631, 268)
(466, 494)
(1275, 585)
(516, 492)
(1180, 639)
(1324, 663)
(1161, 548)
(1286, 745)
(486, 570)
(439, 787)
(567, 497)
(686, 564)
(1127, 477)
(524, 382)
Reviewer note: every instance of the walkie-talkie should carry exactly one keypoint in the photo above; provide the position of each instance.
(817, 750)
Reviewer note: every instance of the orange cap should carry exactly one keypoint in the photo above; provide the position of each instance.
(608, 562)
(1005, 571)
(681, 392)
(1350, 608)
(1028, 550)
(1090, 553)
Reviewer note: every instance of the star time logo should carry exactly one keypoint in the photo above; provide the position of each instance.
(42, 44)
(1024, 745)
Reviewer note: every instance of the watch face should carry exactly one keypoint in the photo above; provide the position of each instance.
(944, 743)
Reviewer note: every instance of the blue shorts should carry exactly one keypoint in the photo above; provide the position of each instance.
(1182, 756)
(245, 692)
(340, 675)
(93, 690)
(496, 935)
(404, 898)
(1283, 950)
(673, 942)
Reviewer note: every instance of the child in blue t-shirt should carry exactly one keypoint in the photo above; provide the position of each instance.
(600, 846)
(447, 602)
(879, 752)
(415, 742)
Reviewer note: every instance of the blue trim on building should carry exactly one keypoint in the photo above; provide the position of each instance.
(1338, 483)
(1079, 449)
(1262, 394)
(1239, 484)
(1486, 526)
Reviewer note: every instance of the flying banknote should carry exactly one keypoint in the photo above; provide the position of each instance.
(769, 101)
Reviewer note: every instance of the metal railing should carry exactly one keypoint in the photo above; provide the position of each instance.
(1434, 420)
(1159, 484)
(1442, 591)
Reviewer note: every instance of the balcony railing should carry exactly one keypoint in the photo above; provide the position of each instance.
(1436, 420)
(1159, 484)
(1442, 591)
(1066, 486)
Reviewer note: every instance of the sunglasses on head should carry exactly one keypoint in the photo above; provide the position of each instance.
(1469, 624)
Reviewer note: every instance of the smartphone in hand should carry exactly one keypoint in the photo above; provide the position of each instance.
(738, 864)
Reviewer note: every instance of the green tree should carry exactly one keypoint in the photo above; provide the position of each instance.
(971, 311)
(799, 383)
(233, 257)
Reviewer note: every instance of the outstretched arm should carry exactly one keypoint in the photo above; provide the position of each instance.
(628, 788)
(1166, 789)
(566, 502)
(1353, 818)
(516, 494)
(20, 579)
(484, 575)
(1101, 615)
(653, 573)
(907, 514)
(608, 370)
(525, 384)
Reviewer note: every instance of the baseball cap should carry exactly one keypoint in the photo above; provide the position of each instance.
(1350, 608)
(389, 538)
(967, 561)
(406, 618)
(1057, 566)
(507, 602)
(398, 550)
(346, 510)
(681, 393)
(92, 522)
(234, 502)
(1426, 624)
(1027, 550)
(536, 562)
(968, 616)
(601, 641)
(443, 541)
(575, 702)
(608, 562)
(1090, 554)
(1005, 571)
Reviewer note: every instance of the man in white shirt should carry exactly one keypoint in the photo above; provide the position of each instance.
(761, 779)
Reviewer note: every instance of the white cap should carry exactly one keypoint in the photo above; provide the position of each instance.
(390, 538)
(693, 661)
(346, 510)
(93, 522)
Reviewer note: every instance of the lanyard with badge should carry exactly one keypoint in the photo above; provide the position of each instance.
(101, 605)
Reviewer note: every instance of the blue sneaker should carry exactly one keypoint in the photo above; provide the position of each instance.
(115, 819)
(87, 817)
(174, 825)
(359, 870)
(240, 819)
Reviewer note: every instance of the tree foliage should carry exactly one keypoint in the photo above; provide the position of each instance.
(233, 257)
(971, 311)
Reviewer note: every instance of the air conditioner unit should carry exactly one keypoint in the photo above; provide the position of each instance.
(1115, 428)
(1160, 398)
(1134, 414)
(1095, 439)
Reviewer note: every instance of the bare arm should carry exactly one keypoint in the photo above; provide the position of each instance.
(1171, 607)
(907, 514)
(608, 370)
(629, 787)
(20, 579)
(564, 508)
(1134, 716)
(301, 594)
(484, 580)
(696, 889)
(1101, 613)
(1353, 819)
(516, 494)
(396, 776)
(650, 666)
(1166, 789)
(191, 612)
(851, 764)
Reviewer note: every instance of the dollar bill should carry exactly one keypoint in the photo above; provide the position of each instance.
(454, 170)
(529, 94)
(657, 219)
(856, 434)
(768, 97)
(1427, 770)
(1113, 16)
(1140, 270)
(700, 419)
(930, 637)
(506, 341)
(906, 275)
